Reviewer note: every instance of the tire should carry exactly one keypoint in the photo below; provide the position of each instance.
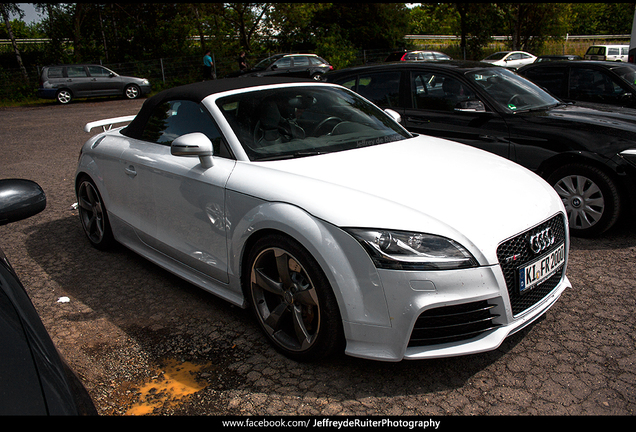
(590, 197)
(93, 215)
(132, 92)
(317, 77)
(293, 300)
(64, 96)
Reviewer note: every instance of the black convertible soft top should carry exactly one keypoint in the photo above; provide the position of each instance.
(198, 91)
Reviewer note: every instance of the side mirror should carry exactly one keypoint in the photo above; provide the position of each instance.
(470, 106)
(20, 199)
(394, 115)
(194, 144)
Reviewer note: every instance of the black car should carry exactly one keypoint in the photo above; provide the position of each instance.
(288, 65)
(34, 379)
(587, 155)
(591, 83)
(557, 57)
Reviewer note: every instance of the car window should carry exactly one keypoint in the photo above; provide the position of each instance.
(613, 51)
(98, 71)
(510, 91)
(301, 61)
(55, 72)
(76, 71)
(296, 122)
(316, 61)
(596, 50)
(515, 56)
(628, 73)
(590, 85)
(283, 63)
(173, 119)
(438, 92)
(553, 79)
(381, 88)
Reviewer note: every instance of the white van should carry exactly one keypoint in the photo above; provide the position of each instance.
(607, 52)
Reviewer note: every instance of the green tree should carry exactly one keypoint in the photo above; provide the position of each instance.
(434, 19)
(5, 10)
(601, 18)
(530, 25)
(364, 25)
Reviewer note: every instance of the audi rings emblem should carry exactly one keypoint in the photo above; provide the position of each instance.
(541, 240)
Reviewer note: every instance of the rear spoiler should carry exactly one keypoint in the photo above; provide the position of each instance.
(107, 124)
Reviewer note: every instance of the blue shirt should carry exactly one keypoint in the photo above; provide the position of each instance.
(207, 61)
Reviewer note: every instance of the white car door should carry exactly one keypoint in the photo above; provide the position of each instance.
(182, 203)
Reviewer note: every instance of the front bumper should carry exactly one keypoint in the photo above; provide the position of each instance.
(437, 314)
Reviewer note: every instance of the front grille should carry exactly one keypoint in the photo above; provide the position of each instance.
(453, 323)
(516, 253)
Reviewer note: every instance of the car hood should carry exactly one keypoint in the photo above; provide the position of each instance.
(420, 184)
(607, 131)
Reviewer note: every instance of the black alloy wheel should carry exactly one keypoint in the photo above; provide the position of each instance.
(293, 300)
(93, 215)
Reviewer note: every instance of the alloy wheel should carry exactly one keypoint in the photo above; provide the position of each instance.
(93, 214)
(285, 300)
(64, 96)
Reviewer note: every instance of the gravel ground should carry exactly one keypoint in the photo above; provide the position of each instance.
(129, 328)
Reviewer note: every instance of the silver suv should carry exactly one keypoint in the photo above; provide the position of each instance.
(66, 82)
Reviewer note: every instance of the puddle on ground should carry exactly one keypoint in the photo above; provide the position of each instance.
(175, 381)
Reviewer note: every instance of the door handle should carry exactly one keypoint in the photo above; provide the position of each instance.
(417, 120)
(130, 171)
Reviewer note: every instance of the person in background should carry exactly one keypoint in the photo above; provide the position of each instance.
(207, 66)
(242, 62)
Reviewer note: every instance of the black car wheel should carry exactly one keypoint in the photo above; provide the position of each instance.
(93, 215)
(132, 91)
(64, 96)
(292, 299)
(590, 197)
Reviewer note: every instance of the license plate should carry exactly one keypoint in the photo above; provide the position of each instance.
(541, 269)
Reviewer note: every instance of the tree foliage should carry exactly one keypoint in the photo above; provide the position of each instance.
(130, 32)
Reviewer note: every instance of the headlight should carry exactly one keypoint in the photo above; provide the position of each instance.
(629, 155)
(400, 250)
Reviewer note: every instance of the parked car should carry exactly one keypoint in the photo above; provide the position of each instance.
(66, 82)
(34, 379)
(588, 155)
(590, 83)
(608, 52)
(339, 227)
(510, 59)
(288, 65)
(549, 58)
(417, 56)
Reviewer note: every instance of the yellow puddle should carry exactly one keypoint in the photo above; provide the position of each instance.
(175, 382)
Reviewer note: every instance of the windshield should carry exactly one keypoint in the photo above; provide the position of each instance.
(302, 121)
(512, 92)
(264, 64)
(628, 73)
(497, 56)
